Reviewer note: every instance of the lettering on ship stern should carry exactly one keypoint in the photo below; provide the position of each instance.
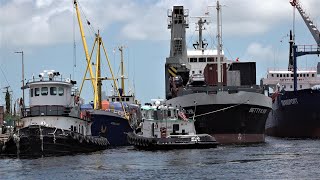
(257, 110)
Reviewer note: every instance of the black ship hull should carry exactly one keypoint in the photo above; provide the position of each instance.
(144, 143)
(230, 118)
(34, 141)
(111, 126)
(295, 115)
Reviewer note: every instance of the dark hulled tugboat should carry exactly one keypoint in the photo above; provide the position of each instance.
(164, 128)
(52, 125)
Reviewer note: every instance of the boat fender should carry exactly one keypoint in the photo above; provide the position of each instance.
(80, 138)
(86, 139)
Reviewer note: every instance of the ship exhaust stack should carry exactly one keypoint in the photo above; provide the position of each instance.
(177, 66)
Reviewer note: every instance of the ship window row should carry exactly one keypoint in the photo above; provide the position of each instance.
(284, 86)
(122, 99)
(44, 91)
(291, 75)
(203, 59)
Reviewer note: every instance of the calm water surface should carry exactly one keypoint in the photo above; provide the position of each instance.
(275, 159)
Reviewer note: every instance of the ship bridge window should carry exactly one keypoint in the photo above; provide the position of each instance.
(210, 59)
(60, 91)
(291, 75)
(118, 99)
(272, 75)
(36, 92)
(31, 92)
(202, 59)
(192, 72)
(312, 75)
(280, 75)
(53, 91)
(304, 75)
(287, 75)
(277, 75)
(127, 99)
(122, 99)
(44, 91)
(193, 60)
(307, 75)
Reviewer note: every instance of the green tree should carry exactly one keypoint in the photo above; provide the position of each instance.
(8, 105)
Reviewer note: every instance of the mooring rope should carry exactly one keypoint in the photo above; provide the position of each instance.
(220, 109)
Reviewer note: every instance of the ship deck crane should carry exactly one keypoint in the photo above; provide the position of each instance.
(302, 50)
(96, 79)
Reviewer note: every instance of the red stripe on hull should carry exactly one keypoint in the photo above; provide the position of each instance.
(239, 138)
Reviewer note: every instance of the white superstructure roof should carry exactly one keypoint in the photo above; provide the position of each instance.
(207, 52)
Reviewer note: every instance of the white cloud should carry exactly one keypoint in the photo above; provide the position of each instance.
(40, 22)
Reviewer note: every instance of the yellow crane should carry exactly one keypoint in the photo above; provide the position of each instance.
(97, 79)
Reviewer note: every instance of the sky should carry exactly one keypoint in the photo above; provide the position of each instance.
(47, 32)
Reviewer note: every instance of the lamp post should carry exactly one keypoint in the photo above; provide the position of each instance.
(21, 52)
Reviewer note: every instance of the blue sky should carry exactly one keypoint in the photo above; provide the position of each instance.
(45, 31)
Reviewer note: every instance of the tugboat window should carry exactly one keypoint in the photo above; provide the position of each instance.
(60, 91)
(312, 75)
(127, 99)
(118, 99)
(53, 91)
(44, 91)
(31, 93)
(193, 60)
(36, 91)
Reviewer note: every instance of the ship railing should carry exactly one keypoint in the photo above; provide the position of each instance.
(55, 79)
(300, 69)
(308, 48)
(45, 110)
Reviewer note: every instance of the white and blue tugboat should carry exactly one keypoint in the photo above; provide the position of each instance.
(164, 128)
(53, 124)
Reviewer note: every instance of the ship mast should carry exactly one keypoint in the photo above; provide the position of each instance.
(219, 47)
(122, 93)
(97, 79)
(200, 45)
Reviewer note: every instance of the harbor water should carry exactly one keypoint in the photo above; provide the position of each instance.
(275, 159)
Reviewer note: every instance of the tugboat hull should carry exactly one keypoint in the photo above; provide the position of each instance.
(200, 141)
(33, 141)
(295, 115)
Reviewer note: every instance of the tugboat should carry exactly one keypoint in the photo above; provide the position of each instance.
(164, 128)
(295, 93)
(221, 94)
(52, 125)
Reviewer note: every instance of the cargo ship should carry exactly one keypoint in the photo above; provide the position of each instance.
(220, 94)
(295, 93)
